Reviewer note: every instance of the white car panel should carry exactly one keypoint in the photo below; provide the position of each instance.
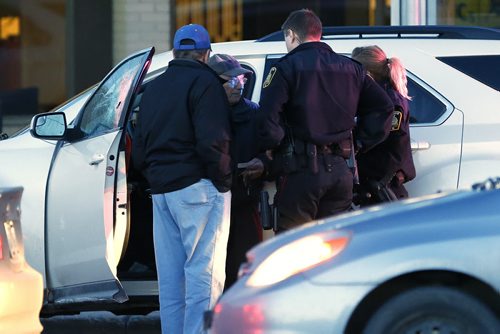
(30, 159)
(437, 166)
(80, 257)
(35, 156)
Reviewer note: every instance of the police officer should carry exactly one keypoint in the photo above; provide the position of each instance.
(311, 99)
(245, 230)
(389, 164)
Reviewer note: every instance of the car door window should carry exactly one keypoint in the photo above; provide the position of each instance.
(103, 111)
(425, 107)
(250, 84)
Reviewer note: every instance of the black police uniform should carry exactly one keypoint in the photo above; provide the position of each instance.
(246, 230)
(391, 162)
(312, 99)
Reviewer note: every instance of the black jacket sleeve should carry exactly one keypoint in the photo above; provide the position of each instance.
(375, 111)
(211, 123)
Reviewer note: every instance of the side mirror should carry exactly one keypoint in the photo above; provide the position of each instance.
(49, 126)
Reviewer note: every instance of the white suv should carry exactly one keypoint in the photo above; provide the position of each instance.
(87, 215)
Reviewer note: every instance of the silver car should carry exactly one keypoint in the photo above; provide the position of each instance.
(420, 266)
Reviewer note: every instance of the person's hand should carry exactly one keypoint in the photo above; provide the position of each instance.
(253, 170)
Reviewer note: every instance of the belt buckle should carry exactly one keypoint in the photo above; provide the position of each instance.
(324, 149)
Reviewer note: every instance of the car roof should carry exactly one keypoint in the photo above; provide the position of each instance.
(430, 31)
(395, 40)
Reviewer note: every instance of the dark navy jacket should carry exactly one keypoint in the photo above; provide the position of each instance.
(321, 93)
(244, 147)
(183, 129)
(394, 153)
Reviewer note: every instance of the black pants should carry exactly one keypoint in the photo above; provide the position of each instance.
(304, 196)
(245, 232)
(399, 190)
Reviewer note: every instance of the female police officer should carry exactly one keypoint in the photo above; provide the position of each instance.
(389, 164)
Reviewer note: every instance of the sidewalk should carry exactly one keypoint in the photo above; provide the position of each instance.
(102, 323)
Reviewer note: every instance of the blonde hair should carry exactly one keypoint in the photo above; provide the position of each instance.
(382, 68)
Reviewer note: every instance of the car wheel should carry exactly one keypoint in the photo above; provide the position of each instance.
(433, 310)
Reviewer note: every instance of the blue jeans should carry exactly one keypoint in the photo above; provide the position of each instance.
(191, 228)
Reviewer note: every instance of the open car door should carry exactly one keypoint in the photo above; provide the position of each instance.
(82, 207)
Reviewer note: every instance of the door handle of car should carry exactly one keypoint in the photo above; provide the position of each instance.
(420, 145)
(96, 159)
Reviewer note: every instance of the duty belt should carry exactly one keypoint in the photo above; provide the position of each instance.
(327, 149)
(300, 155)
(342, 149)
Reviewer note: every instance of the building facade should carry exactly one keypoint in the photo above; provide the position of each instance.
(52, 49)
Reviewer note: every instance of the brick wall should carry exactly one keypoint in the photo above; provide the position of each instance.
(138, 24)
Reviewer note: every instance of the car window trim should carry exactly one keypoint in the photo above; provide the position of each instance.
(448, 105)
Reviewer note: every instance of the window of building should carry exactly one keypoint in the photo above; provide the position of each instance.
(232, 20)
(32, 57)
(484, 13)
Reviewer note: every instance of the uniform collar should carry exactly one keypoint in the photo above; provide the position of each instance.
(311, 45)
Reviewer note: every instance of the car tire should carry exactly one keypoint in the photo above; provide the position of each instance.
(433, 310)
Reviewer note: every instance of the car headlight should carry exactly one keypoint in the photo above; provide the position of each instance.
(297, 256)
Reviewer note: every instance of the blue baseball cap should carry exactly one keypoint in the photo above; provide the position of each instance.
(191, 37)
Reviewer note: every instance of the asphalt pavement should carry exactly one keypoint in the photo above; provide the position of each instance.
(102, 322)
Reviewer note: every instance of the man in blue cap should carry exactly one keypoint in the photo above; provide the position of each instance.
(182, 146)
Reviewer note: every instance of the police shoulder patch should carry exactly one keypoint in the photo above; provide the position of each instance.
(396, 120)
(269, 77)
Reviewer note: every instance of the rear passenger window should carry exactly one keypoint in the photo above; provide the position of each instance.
(249, 86)
(481, 68)
(424, 106)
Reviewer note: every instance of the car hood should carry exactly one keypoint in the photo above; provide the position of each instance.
(421, 212)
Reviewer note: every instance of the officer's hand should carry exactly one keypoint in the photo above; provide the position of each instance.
(254, 169)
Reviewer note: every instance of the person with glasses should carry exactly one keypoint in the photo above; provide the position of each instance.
(245, 230)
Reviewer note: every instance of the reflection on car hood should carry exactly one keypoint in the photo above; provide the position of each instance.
(423, 210)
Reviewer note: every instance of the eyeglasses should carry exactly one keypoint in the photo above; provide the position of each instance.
(234, 81)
